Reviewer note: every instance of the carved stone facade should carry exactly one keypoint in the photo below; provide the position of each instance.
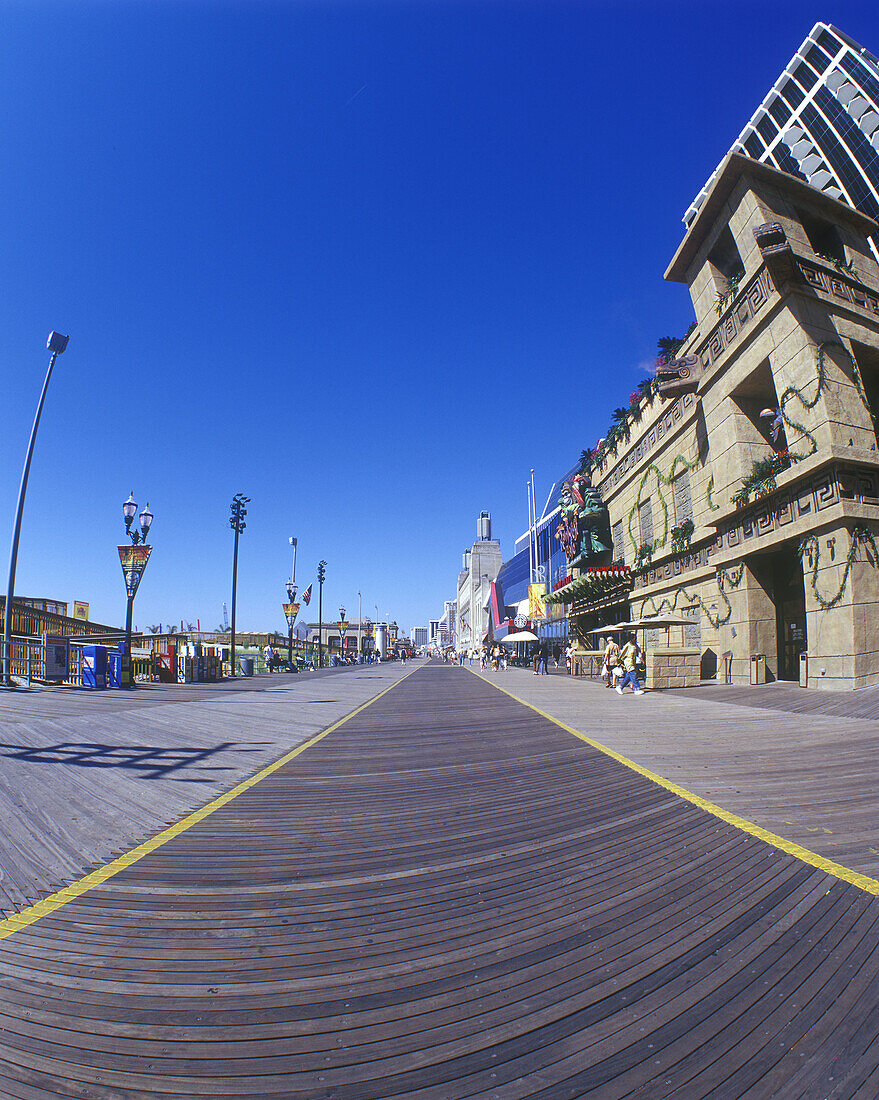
(786, 331)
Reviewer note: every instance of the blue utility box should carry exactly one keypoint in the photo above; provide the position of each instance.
(94, 667)
(114, 669)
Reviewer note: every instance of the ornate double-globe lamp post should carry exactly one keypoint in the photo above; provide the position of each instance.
(343, 629)
(134, 561)
(290, 615)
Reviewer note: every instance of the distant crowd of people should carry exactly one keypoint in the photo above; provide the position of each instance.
(619, 670)
(499, 657)
(276, 662)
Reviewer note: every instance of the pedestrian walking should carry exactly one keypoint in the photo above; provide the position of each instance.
(556, 653)
(631, 656)
(611, 661)
(542, 655)
(268, 656)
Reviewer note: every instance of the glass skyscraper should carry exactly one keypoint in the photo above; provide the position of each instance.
(820, 122)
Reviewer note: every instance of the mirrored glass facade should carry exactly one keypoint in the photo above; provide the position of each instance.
(820, 122)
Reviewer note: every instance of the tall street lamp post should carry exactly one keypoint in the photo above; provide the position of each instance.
(56, 344)
(343, 628)
(321, 576)
(236, 522)
(134, 560)
(291, 609)
(359, 627)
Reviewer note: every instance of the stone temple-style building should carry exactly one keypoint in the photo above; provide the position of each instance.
(744, 492)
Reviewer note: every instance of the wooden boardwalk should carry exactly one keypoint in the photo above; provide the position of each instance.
(790, 698)
(85, 775)
(448, 897)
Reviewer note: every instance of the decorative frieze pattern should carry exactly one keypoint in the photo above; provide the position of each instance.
(747, 304)
(785, 506)
(839, 287)
(675, 566)
(655, 435)
(859, 484)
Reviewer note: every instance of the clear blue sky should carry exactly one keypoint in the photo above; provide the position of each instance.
(366, 262)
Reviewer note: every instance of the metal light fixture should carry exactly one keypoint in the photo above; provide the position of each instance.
(128, 510)
(291, 591)
(146, 518)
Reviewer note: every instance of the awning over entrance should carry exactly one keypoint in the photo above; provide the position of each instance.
(598, 582)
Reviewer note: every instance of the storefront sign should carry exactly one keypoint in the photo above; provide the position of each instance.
(80, 610)
(134, 561)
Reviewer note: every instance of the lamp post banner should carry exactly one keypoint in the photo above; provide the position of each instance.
(536, 596)
(134, 561)
(291, 610)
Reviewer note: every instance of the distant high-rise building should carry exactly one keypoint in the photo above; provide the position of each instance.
(820, 122)
(481, 564)
(419, 636)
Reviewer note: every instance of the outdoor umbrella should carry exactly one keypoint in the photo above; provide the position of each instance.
(609, 628)
(655, 622)
(521, 636)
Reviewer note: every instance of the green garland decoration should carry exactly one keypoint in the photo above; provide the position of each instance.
(725, 577)
(811, 546)
(711, 505)
(661, 479)
(856, 378)
(807, 403)
(762, 481)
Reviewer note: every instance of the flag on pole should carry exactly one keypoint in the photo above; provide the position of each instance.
(306, 595)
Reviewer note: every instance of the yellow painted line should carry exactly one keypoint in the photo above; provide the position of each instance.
(871, 885)
(102, 874)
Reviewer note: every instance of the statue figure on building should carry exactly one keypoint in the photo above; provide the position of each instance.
(584, 521)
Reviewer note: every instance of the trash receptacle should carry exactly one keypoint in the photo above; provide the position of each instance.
(246, 666)
(804, 670)
(94, 667)
(758, 668)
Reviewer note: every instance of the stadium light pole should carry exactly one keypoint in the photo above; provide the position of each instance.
(321, 576)
(236, 522)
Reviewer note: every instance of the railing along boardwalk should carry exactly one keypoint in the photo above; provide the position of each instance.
(448, 897)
